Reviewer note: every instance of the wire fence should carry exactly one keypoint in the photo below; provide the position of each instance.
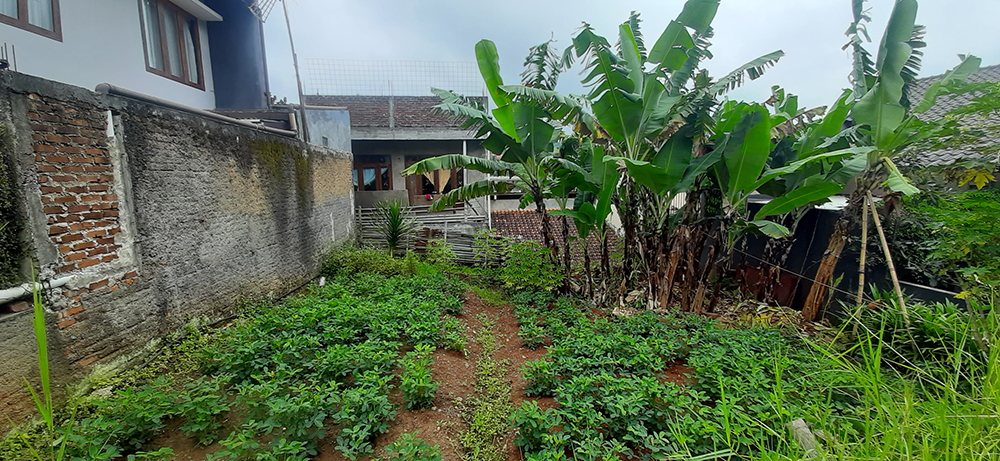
(262, 8)
(385, 78)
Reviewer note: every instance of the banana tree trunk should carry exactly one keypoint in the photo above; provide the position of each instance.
(550, 241)
(565, 245)
(824, 274)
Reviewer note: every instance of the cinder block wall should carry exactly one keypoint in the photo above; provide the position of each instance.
(158, 216)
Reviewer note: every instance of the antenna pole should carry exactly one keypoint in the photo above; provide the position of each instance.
(298, 80)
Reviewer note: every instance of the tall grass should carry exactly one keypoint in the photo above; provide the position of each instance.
(925, 410)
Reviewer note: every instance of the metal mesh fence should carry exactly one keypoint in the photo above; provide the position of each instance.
(384, 78)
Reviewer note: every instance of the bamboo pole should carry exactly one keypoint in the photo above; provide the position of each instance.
(864, 248)
(888, 258)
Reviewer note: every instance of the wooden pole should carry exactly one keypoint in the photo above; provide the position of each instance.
(864, 248)
(888, 258)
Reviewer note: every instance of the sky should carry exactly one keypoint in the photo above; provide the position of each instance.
(810, 32)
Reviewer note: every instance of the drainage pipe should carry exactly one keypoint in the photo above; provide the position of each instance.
(11, 294)
(107, 88)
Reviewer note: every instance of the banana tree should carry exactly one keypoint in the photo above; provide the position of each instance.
(517, 130)
(885, 120)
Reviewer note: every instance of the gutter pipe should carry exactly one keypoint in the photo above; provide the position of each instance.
(23, 290)
(107, 88)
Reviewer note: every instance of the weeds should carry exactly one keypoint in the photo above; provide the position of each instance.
(410, 448)
(487, 413)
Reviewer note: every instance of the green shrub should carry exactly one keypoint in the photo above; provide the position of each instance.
(410, 448)
(439, 253)
(529, 265)
(417, 383)
(394, 226)
(346, 260)
(200, 405)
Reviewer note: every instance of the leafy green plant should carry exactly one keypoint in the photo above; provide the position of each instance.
(200, 405)
(417, 384)
(347, 260)
(528, 265)
(439, 252)
(408, 447)
(394, 225)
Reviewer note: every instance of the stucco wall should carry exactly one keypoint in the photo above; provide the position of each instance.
(186, 217)
(102, 43)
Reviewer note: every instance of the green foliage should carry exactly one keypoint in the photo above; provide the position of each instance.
(417, 384)
(200, 405)
(122, 423)
(410, 448)
(439, 253)
(12, 247)
(347, 260)
(487, 412)
(953, 238)
(528, 265)
(394, 225)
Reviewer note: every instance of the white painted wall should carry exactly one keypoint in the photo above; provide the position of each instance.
(102, 43)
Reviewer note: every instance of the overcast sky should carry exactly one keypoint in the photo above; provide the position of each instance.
(810, 32)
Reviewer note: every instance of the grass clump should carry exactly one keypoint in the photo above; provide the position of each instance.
(487, 413)
(345, 260)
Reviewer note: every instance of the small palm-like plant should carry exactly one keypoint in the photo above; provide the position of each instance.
(394, 225)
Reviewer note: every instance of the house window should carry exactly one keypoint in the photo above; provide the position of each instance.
(38, 16)
(172, 42)
(372, 172)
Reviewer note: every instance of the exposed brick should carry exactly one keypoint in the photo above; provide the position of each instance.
(56, 230)
(65, 249)
(70, 149)
(81, 226)
(88, 263)
(66, 323)
(71, 238)
(110, 198)
(47, 168)
(56, 138)
(75, 256)
(53, 210)
(97, 233)
(81, 140)
(109, 258)
(97, 251)
(114, 230)
(53, 190)
(129, 275)
(101, 206)
(20, 307)
(88, 178)
(78, 208)
(77, 189)
(96, 151)
(43, 148)
(108, 213)
(105, 241)
(63, 178)
(40, 127)
(100, 160)
(43, 179)
(69, 218)
(66, 268)
(99, 284)
(98, 188)
(67, 130)
(72, 169)
(107, 178)
(73, 310)
(94, 215)
(51, 118)
(57, 158)
(87, 361)
(97, 168)
(90, 198)
(64, 199)
(83, 246)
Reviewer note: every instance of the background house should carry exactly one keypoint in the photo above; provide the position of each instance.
(205, 54)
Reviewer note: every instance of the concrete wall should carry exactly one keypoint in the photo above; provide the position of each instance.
(102, 42)
(158, 216)
(332, 124)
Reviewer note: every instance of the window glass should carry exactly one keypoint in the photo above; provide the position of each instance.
(40, 14)
(385, 178)
(154, 50)
(173, 42)
(190, 53)
(8, 8)
(369, 178)
(355, 179)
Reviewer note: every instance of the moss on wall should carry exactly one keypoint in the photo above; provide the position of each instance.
(271, 155)
(11, 224)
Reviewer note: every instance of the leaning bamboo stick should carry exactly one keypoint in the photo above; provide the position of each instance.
(888, 258)
(864, 248)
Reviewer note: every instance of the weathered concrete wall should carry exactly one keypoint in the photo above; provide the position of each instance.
(158, 216)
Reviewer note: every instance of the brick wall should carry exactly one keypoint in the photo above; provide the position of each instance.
(154, 217)
(373, 111)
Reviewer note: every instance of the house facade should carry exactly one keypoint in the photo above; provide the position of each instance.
(390, 133)
(207, 54)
